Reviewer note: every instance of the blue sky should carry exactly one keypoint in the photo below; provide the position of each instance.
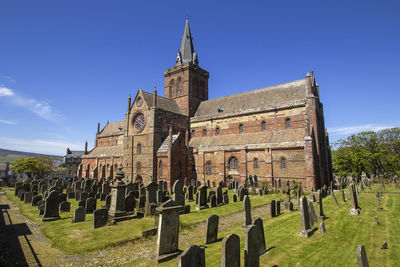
(66, 65)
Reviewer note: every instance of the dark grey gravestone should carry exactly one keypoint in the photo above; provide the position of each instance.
(71, 195)
(322, 228)
(28, 197)
(78, 195)
(190, 193)
(100, 218)
(192, 256)
(79, 215)
(313, 215)
(272, 209)
(130, 202)
(343, 196)
(251, 247)
(51, 207)
(211, 229)
(62, 197)
(179, 196)
(278, 207)
(355, 210)
(202, 203)
(160, 196)
(230, 251)
(213, 201)
(260, 226)
(41, 209)
(247, 211)
(234, 198)
(36, 199)
(305, 217)
(220, 200)
(65, 206)
(90, 204)
(362, 256)
(226, 198)
(83, 196)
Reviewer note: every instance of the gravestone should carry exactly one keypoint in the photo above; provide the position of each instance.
(83, 196)
(168, 231)
(260, 226)
(213, 201)
(220, 200)
(362, 256)
(272, 208)
(100, 218)
(319, 205)
(247, 211)
(41, 208)
(51, 207)
(322, 228)
(211, 229)
(355, 210)
(82, 203)
(305, 217)
(151, 197)
(62, 197)
(226, 198)
(91, 204)
(130, 202)
(179, 196)
(117, 205)
(278, 207)
(36, 199)
(343, 196)
(313, 215)
(160, 196)
(28, 197)
(79, 215)
(230, 251)
(78, 195)
(251, 247)
(190, 193)
(65, 206)
(202, 204)
(192, 256)
(234, 198)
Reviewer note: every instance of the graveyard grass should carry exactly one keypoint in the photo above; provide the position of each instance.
(286, 248)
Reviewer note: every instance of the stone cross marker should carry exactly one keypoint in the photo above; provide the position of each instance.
(251, 247)
(261, 247)
(192, 256)
(305, 217)
(230, 251)
(211, 229)
(168, 231)
(362, 256)
(247, 211)
(355, 210)
(100, 217)
(51, 207)
(79, 215)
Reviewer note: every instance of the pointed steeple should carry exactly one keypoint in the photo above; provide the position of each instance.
(186, 53)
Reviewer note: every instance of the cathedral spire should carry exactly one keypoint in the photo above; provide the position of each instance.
(186, 52)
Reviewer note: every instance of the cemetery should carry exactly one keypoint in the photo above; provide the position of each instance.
(353, 221)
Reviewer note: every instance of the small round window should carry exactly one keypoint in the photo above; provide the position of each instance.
(139, 101)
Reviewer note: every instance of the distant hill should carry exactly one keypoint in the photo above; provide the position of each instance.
(12, 155)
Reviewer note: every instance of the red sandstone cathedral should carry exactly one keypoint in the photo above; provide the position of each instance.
(274, 134)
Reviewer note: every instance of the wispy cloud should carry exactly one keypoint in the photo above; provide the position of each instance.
(7, 122)
(52, 147)
(358, 128)
(39, 108)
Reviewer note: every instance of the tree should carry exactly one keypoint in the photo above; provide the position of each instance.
(32, 166)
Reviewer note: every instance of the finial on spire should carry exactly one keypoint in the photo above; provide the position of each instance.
(187, 15)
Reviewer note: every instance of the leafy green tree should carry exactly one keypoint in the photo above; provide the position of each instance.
(33, 167)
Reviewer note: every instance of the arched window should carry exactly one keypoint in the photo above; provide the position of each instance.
(255, 163)
(139, 148)
(172, 88)
(287, 123)
(208, 167)
(240, 128)
(264, 126)
(283, 164)
(204, 132)
(161, 167)
(179, 90)
(233, 163)
(193, 133)
(139, 167)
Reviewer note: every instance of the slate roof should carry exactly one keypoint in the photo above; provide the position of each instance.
(162, 102)
(105, 151)
(291, 93)
(112, 129)
(267, 137)
(75, 154)
(186, 52)
(164, 146)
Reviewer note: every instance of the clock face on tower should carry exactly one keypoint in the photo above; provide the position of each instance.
(139, 122)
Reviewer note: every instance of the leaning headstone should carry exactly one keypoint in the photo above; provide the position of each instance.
(65, 206)
(362, 256)
(305, 217)
(28, 197)
(247, 211)
(322, 228)
(230, 251)
(262, 248)
(79, 215)
(313, 215)
(251, 250)
(51, 207)
(100, 218)
(355, 210)
(168, 231)
(36, 199)
(192, 256)
(211, 229)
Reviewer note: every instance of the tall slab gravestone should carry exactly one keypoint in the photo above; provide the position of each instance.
(247, 211)
(355, 210)
(212, 229)
(305, 218)
(192, 256)
(251, 250)
(51, 207)
(230, 254)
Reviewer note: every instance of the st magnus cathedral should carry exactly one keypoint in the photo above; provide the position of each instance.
(274, 134)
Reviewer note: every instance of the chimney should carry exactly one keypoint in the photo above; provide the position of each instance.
(98, 127)
(86, 148)
(155, 97)
(129, 103)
